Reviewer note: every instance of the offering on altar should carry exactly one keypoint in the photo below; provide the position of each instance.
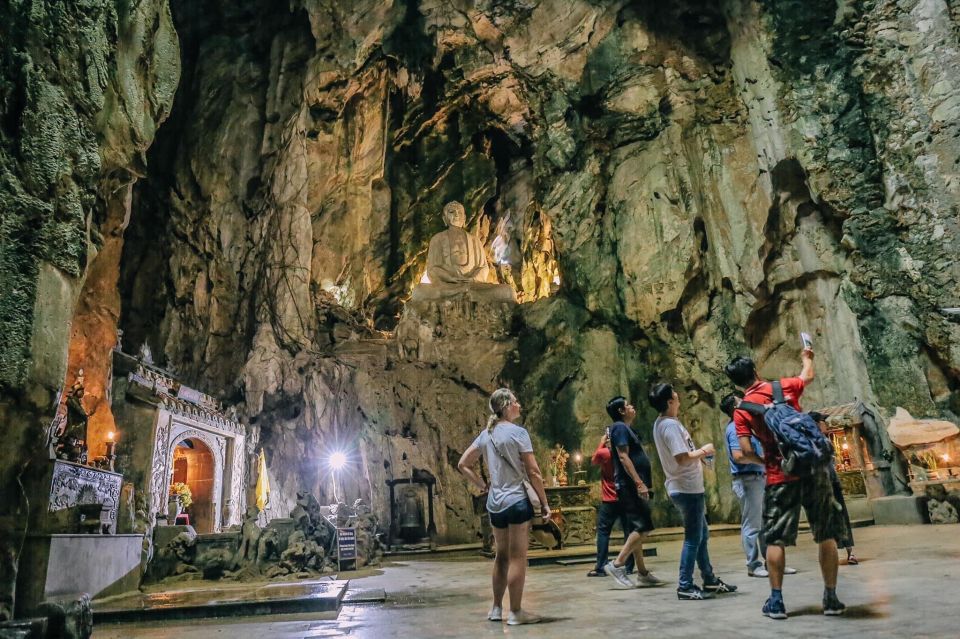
(558, 465)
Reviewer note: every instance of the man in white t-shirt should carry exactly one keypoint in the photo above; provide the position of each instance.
(681, 461)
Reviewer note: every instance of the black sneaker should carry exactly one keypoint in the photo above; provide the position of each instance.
(774, 609)
(719, 587)
(832, 606)
(694, 593)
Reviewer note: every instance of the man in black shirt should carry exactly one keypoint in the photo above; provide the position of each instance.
(631, 474)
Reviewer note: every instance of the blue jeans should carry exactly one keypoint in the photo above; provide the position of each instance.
(749, 490)
(692, 508)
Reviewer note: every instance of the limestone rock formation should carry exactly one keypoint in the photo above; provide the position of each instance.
(83, 88)
(905, 430)
(664, 185)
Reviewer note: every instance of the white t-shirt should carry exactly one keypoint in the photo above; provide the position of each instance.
(506, 484)
(672, 439)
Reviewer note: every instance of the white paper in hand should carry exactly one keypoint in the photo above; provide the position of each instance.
(806, 340)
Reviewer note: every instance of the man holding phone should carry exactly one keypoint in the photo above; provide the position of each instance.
(785, 494)
(631, 473)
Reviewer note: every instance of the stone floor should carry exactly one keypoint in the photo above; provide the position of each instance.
(906, 586)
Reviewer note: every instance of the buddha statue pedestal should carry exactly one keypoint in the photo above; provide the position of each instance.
(458, 319)
(479, 292)
(462, 331)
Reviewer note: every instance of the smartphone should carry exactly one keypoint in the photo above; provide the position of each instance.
(806, 340)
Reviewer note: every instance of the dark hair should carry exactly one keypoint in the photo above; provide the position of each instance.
(741, 371)
(729, 403)
(660, 395)
(615, 407)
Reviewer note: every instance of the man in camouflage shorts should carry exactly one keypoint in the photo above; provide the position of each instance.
(781, 510)
(785, 494)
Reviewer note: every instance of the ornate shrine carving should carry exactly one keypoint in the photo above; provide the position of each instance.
(183, 413)
(76, 485)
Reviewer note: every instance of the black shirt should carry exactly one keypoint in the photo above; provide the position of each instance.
(623, 435)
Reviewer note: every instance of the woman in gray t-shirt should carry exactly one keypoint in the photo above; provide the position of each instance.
(508, 453)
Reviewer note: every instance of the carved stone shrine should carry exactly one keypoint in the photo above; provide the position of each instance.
(173, 433)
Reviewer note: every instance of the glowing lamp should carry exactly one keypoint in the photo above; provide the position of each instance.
(945, 457)
(577, 457)
(846, 446)
(338, 460)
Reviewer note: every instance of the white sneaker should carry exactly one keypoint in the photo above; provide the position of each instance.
(648, 580)
(522, 617)
(789, 571)
(619, 574)
(759, 572)
(495, 614)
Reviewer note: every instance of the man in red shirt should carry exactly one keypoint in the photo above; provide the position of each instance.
(785, 494)
(609, 511)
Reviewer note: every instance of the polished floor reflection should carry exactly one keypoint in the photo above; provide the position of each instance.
(904, 587)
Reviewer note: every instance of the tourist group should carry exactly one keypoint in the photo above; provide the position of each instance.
(779, 459)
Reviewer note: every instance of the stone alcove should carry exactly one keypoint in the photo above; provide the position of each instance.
(200, 466)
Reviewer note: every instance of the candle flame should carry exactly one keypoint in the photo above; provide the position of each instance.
(846, 446)
(945, 457)
(110, 436)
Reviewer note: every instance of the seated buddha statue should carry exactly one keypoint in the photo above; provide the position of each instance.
(457, 264)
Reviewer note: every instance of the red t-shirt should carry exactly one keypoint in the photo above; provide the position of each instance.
(747, 424)
(601, 457)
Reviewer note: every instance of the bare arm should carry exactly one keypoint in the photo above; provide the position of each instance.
(536, 480)
(465, 466)
(597, 460)
(622, 453)
(806, 372)
(689, 457)
(746, 454)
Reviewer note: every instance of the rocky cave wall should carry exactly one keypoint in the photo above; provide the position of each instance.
(83, 88)
(702, 180)
(665, 186)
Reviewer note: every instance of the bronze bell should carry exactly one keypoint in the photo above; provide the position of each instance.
(410, 510)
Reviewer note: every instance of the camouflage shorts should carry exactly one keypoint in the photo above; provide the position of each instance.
(781, 510)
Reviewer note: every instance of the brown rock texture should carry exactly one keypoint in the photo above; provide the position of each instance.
(665, 187)
(83, 88)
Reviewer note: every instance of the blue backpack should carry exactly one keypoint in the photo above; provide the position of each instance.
(804, 448)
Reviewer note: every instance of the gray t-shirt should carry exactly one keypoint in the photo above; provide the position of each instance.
(672, 439)
(506, 483)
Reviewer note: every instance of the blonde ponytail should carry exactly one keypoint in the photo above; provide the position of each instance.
(499, 400)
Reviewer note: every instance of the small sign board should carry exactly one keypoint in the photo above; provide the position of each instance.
(346, 545)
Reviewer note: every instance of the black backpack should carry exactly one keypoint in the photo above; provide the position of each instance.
(804, 448)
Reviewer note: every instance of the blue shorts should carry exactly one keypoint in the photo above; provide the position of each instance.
(520, 513)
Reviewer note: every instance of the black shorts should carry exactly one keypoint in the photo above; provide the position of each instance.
(636, 515)
(781, 510)
(519, 513)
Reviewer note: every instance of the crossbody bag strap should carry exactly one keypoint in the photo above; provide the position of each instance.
(754, 409)
(522, 473)
(523, 477)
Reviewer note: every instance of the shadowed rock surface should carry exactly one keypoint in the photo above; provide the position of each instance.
(664, 186)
